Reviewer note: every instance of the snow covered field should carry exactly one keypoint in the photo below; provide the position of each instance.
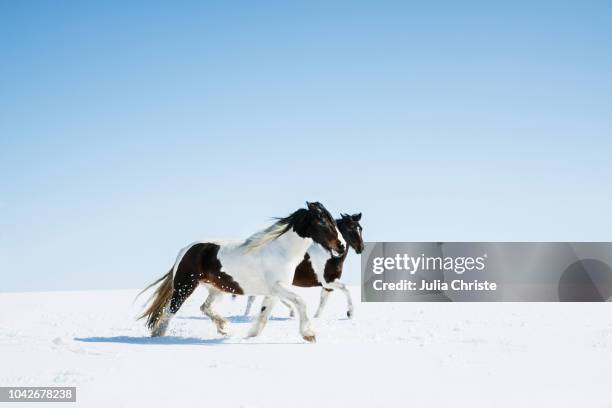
(421, 354)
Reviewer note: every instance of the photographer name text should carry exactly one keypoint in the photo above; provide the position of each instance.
(413, 264)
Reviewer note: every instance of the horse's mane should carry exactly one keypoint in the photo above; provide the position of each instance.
(274, 231)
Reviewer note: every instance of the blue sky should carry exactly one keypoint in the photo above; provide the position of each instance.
(129, 130)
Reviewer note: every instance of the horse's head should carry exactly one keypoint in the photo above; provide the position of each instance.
(319, 225)
(351, 231)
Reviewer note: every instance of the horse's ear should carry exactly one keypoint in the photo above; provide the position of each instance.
(311, 206)
(356, 217)
(344, 216)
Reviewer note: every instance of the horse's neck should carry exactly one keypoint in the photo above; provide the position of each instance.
(291, 245)
(317, 250)
(345, 254)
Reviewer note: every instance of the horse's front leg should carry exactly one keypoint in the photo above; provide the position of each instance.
(349, 301)
(340, 286)
(324, 295)
(261, 320)
(283, 291)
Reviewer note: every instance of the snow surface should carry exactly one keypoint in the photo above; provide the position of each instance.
(413, 354)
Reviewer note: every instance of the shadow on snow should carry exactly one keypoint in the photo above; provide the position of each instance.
(166, 340)
(171, 340)
(233, 319)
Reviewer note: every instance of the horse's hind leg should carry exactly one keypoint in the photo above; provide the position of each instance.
(207, 309)
(162, 324)
(282, 291)
(250, 300)
(181, 291)
(261, 320)
(288, 306)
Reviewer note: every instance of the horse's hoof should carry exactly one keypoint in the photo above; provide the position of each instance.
(252, 333)
(349, 314)
(158, 332)
(222, 327)
(309, 335)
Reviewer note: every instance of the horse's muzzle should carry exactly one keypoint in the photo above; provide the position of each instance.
(339, 250)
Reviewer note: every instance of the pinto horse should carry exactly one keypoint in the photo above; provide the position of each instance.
(318, 268)
(263, 264)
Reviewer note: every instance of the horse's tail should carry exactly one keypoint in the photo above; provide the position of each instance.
(159, 299)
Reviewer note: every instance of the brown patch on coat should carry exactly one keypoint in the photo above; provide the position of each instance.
(305, 276)
(350, 229)
(200, 264)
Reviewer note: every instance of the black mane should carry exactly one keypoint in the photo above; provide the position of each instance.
(299, 221)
